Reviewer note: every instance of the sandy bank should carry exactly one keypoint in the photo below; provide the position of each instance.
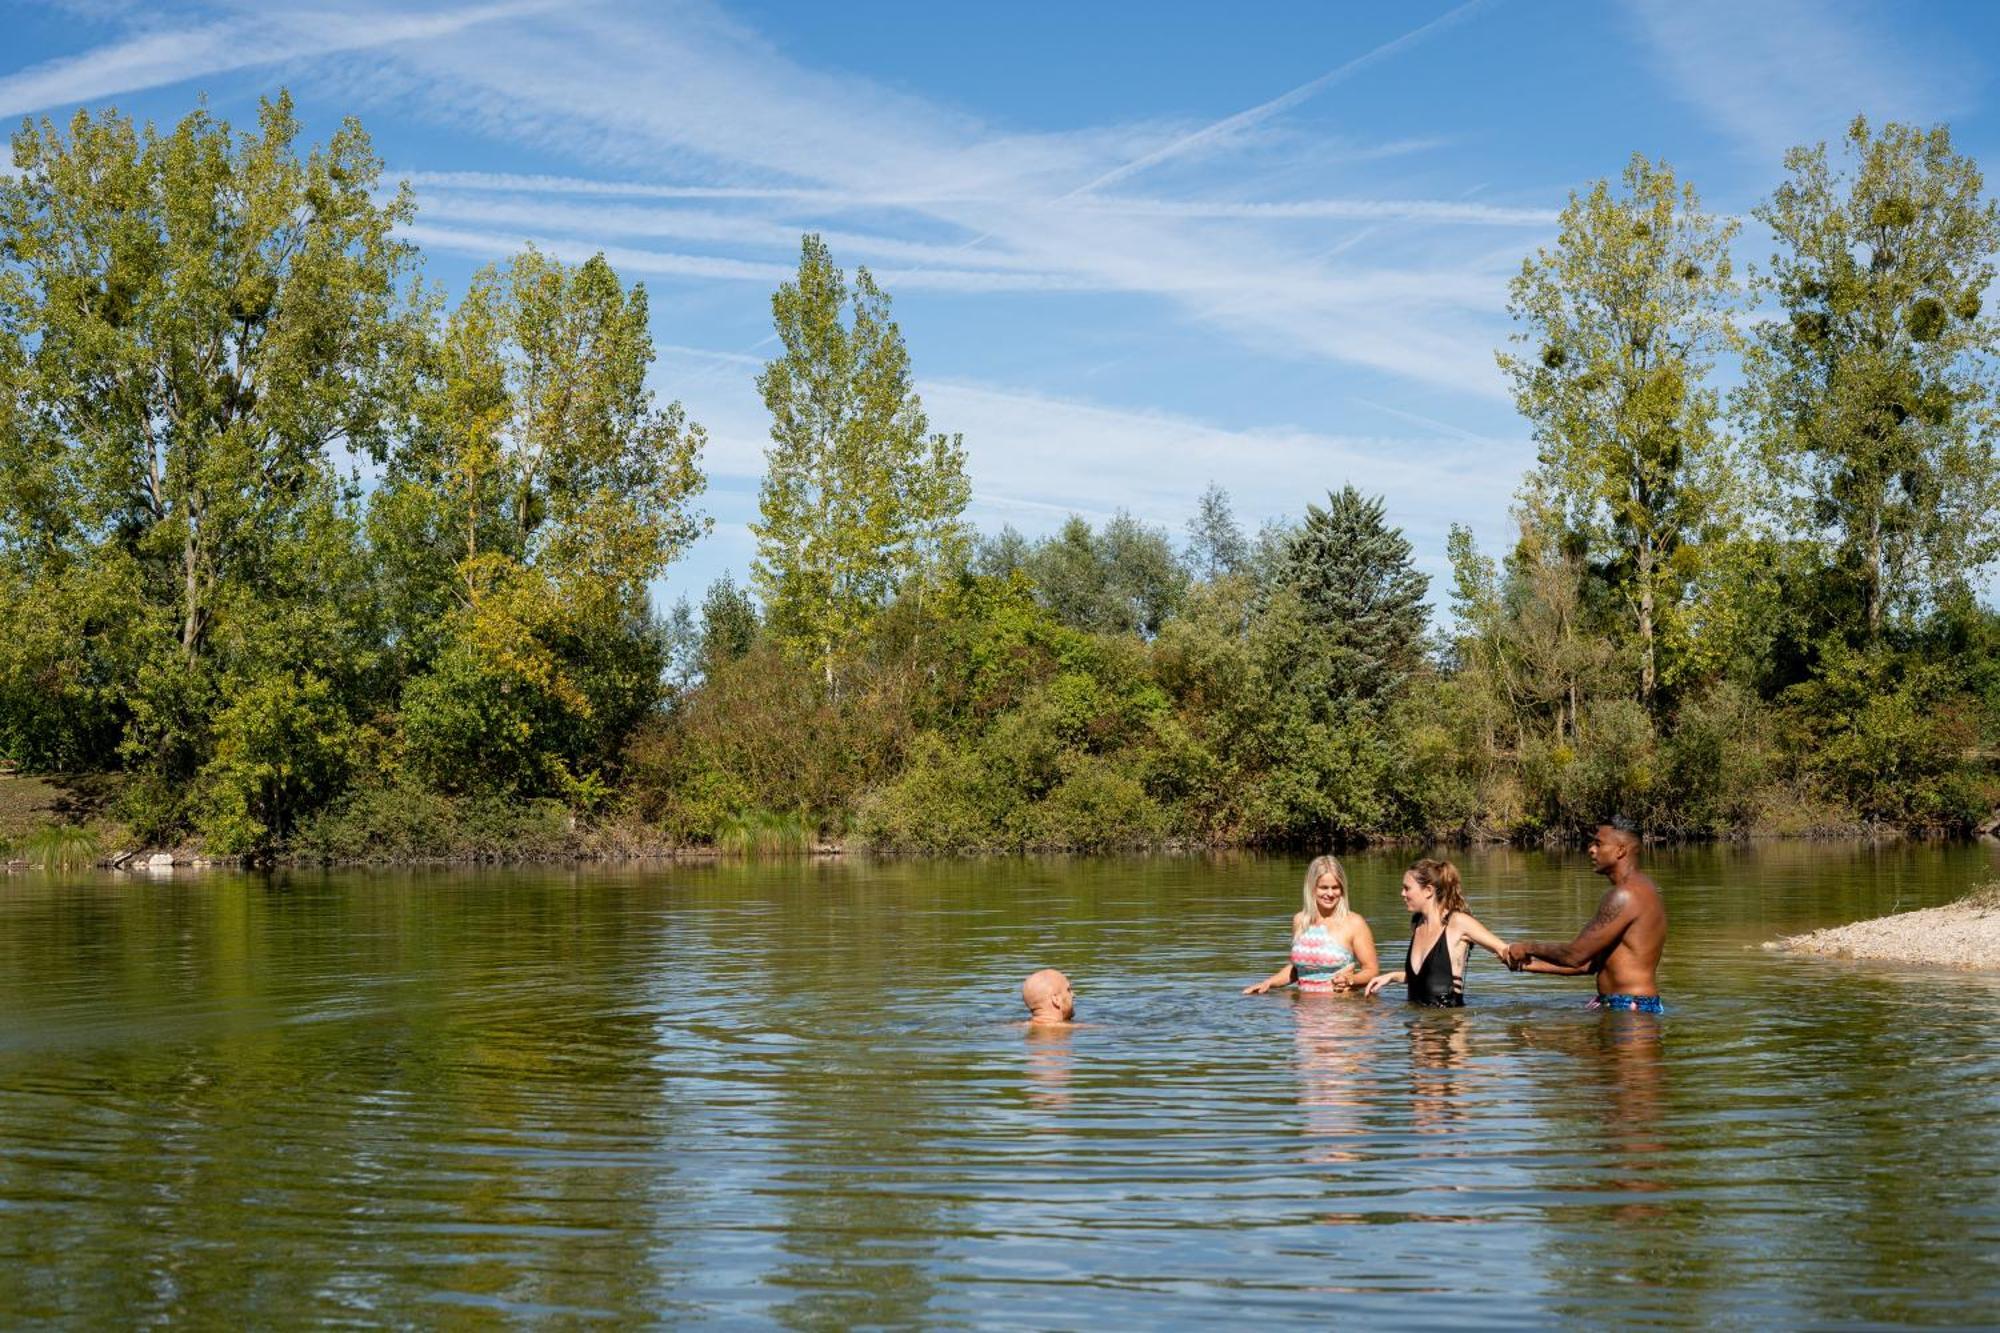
(1961, 934)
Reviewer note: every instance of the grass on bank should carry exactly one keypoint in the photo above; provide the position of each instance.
(57, 847)
(761, 833)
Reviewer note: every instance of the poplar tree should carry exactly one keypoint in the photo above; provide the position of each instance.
(859, 497)
(1875, 388)
(1621, 322)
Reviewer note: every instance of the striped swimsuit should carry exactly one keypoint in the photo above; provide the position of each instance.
(1316, 958)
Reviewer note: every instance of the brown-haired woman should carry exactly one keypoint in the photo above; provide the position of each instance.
(1442, 934)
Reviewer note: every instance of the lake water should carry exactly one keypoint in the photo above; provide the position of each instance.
(796, 1094)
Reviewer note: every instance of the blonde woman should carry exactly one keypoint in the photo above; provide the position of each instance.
(1332, 947)
(1443, 932)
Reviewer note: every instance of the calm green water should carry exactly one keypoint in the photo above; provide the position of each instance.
(796, 1095)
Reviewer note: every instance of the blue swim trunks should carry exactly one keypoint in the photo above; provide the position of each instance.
(1638, 1004)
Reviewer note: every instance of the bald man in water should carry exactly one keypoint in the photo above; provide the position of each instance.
(1048, 997)
(1623, 942)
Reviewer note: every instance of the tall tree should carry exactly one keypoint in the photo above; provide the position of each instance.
(541, 493)
(859, 495)
(537, 442)
(1624, 318)
(1876, 392)
(197, 323)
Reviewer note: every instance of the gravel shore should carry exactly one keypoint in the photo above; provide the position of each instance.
(1963, 934)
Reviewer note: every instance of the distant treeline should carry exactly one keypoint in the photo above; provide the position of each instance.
(1750, 611)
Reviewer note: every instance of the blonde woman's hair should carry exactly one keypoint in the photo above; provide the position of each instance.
(1322, 865)
(1441, 878)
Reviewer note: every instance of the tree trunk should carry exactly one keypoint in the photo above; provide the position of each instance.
(192, 620)
(1648, 666)
(1874, 591)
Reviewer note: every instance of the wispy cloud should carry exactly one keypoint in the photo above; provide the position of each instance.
(1783, 72)
(693, 96)
(647, 262)
(156, 59)
(444, 184)
(759, 147)
(1368, 210)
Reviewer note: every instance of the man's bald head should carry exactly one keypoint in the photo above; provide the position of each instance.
(1048, 997)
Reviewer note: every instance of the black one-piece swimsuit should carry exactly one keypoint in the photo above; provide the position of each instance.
(1435, 984)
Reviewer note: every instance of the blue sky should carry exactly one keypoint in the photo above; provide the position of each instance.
(1133, 248)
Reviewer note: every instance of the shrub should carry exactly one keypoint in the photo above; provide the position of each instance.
(283, 748)
(1094, 808)
(406, 822)
(946, 799)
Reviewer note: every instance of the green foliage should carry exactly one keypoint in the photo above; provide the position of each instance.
(1622, 320)
(729, 625)
(194, 324)
(1873, 395)
(408, 822)
(761, 833)
(1889, 734)
(284, 745)
(59, 847)
(859, 496)
(541, 494)
(1216, 546)
(200, 329)
(1360, 600)
(1123, 580)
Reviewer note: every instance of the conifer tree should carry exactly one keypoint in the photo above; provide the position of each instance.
(1361, 595)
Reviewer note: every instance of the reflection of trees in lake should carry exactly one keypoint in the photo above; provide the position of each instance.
(343, 1099)
(834, 1113)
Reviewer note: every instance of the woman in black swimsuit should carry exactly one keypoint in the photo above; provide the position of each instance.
(1442, 934)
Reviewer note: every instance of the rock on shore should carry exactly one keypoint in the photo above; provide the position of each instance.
(1963, 934)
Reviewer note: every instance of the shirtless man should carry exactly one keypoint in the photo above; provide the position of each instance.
(1049, 998)
(1622, 943)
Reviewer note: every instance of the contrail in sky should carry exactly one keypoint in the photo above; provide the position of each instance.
(1224, 127)
(1283, 102)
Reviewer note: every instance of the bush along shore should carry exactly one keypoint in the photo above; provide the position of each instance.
(1722, 614)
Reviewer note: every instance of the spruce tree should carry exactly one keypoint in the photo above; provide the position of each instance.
(1361, 596)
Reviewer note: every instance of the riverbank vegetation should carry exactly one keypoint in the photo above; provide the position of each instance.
(323, 564)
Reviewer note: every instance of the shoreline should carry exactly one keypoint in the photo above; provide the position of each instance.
(1964, 935)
